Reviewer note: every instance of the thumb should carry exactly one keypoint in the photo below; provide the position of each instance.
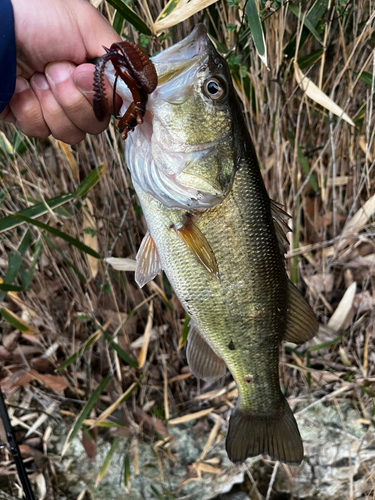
(83, 78)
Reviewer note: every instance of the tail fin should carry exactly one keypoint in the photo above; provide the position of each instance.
(250, 435)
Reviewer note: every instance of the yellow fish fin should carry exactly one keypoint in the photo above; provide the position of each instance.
(280, 222)
(148, 261)
(203, 362)
(277, 436)
(193, 237)
(301, 323)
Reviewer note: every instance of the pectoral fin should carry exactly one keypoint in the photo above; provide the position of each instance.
(193, 237)
(203, 362)
(148, 261)
(301, 324)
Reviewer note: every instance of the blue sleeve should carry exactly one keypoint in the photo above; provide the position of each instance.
(7, 53)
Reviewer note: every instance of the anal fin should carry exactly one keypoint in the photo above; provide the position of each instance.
(148, 261)
(301, 324)
(203, 362)
(193, 237)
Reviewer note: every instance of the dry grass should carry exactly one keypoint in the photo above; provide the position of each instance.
(318, 166)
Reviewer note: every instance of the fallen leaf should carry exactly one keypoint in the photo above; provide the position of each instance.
(339, 317)
(312, 91)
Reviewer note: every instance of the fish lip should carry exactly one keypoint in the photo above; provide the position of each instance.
(186, 53)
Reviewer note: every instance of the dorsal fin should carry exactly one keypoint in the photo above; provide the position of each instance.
(280, 222)
(203, 362)
(148, 261)
(301, 323)
(193, 237)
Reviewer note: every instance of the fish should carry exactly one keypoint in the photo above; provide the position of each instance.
(220, 240)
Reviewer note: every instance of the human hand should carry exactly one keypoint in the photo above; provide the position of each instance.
(54, 86)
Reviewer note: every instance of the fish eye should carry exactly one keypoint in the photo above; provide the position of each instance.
(213, 89)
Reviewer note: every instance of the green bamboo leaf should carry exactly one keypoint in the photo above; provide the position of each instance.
(16, 322)
(127, 474)
(171, 5)
(60, 234)
(185, 329)
(158, 495)
(256, 29)
(84, 347)
(307, 61)
(27, 277)
(11, 288)
(118, 23)
(129, 14)
(123, 355)
(306, 21)
(14, 262)
(85, 412)
(329, 343)
(41, 208)
(36, 211)
(365, 77)
(314, 16)
(89, 182)
(107, 461)
(65, 259)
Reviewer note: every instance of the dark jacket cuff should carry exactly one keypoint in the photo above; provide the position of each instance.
(7, 53)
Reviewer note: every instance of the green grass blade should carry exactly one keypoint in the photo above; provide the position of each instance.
(130, 16)
(84, 347)
(11, 288)
(256, 29)
(307, 61)
(85, 412)
(126, 471)
(12, 320)
(158, 495)
(42, 208)
(314, 16)
(107, 461)
(118, 23)
(65, 259)
(89, 182)
(27, 278)
(171, 5)
(123, 355)
(185, 329)
(60, 234)
(365, 77)
(14, 262)
(329, 343)
(36, 211)
(306, 21)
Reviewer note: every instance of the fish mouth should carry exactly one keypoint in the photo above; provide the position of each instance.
(185, 54)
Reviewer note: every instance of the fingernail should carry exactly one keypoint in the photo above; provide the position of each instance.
(59, 72)
(84, 82)
(40, 81)
(21, 85)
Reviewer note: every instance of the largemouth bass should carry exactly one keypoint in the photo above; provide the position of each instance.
(220, 240)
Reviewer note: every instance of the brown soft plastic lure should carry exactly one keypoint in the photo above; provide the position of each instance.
(135, 68)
